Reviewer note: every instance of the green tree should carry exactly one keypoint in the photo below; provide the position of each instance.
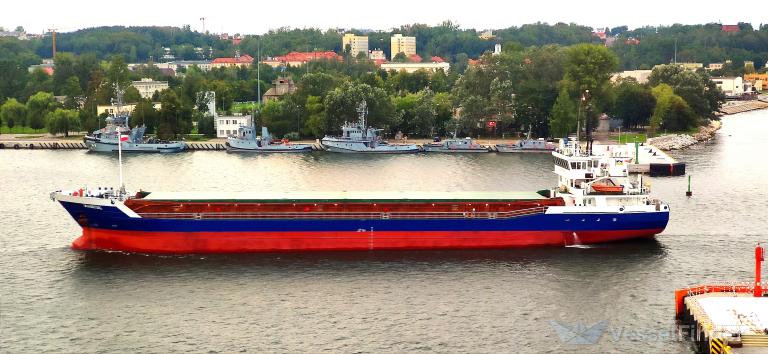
(439, 82)
(131, 95)
(88, 120)
(224, 94)
(38, 107)
(281, 116)
(173, 118)
(65, 68)
(12, 112)
(418, 112)
(72, 90)
(63, 121)
(206, 126)
(39, 80)
(341, 106)
(117, 75)
(399, 58)
(564, 115)
(144, 113)
(15, 58)
(443, 112)
(634, 104)
(671, 111)
(316, 123)
(698, 91)
(502, 101)
(473, 112)
(588, 68)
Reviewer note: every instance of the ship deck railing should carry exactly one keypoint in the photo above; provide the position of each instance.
(351, 215)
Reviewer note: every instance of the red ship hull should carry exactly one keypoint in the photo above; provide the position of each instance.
(240, 242)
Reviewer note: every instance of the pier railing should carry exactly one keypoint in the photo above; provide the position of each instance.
(351, 215)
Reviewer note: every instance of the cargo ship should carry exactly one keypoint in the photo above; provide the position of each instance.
(579, 211)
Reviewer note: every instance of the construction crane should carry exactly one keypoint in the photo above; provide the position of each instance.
(53, 37)
(203, 20)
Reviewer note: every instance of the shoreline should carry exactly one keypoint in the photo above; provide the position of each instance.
(671, 142)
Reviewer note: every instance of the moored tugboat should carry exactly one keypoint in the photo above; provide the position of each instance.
(466, 145)
(107, 138)
(245, 141)
(358, 137)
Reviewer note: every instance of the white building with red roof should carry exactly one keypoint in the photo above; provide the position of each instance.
(295, 59)
(238, 60)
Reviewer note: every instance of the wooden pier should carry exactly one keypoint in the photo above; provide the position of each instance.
(43, 144)
(742, 106)
(79, 145)
(204, 146)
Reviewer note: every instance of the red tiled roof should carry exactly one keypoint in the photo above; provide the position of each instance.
(307, 56)
(437, 59)
(599, 34)
(730, 28)
(415, 58)
(244, 59)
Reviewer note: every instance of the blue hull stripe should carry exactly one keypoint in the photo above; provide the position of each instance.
(113, 218)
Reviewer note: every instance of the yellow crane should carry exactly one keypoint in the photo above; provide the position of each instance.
(53, 38)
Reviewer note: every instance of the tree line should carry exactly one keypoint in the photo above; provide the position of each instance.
(533, 84)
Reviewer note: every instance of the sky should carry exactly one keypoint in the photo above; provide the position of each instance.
(256, 17)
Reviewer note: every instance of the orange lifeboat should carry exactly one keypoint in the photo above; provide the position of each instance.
(606, 189)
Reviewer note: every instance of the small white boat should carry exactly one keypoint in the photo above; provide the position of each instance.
(246, 141)
(358, 138)
(466, 145)
(527, 145)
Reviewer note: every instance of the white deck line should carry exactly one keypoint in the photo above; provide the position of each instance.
(345, 195)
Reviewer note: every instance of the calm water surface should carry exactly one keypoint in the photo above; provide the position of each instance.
(59, 300)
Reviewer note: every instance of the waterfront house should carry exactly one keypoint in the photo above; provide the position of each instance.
(731, 86)
(238, 60)
(282, 85)
(126, 108)
(147, 87)
(227, 125)
(757, 80)
(295, 59)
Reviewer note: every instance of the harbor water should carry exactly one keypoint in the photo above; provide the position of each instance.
(535, 300)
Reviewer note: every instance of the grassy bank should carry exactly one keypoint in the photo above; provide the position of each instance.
(625, 138)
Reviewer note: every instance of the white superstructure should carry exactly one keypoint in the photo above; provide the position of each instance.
(599, 180)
